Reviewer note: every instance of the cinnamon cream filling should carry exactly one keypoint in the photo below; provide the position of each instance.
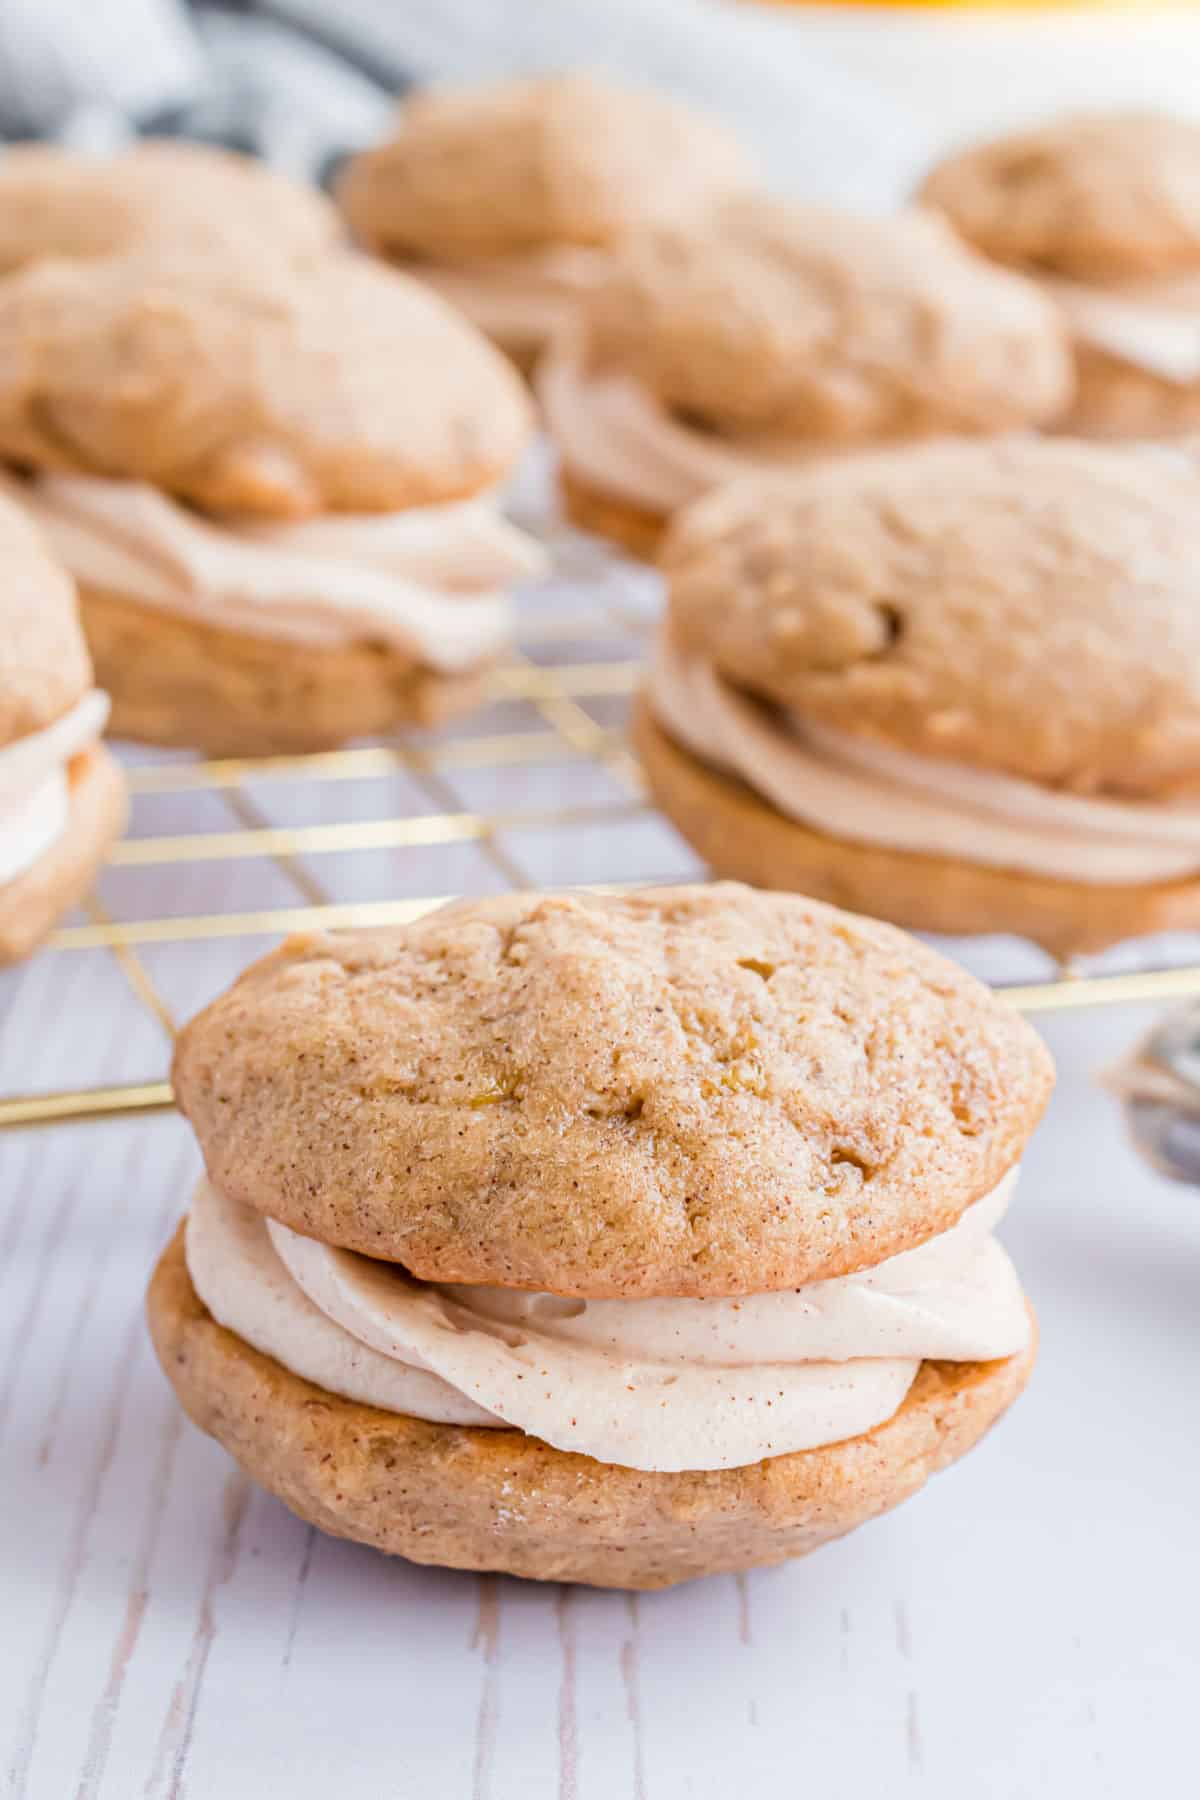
(855, 789)
(618, 438)
(35, 799)
(522, 300)
(1152, 325)
(656, 1384)
(431, 581)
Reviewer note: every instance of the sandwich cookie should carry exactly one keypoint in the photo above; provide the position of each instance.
(957, 687)
(1104, 210)
(509, 198)
(277, 487)
(618, 1241)
(62, 796)
(159, 192)
(769, 337)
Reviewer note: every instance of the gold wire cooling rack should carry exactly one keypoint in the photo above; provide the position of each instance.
(555, 699)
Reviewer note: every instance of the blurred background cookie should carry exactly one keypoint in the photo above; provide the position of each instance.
(509, 197)
(958, 687)
(62, 797)
(160, 192)
(770, 336)
(275, 485)
(1104, 209)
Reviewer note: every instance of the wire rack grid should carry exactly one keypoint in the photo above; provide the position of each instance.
(538, 789)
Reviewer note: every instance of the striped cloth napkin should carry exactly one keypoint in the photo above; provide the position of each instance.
(302, 82)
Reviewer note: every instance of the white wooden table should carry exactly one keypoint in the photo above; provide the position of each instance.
(1026, 1627)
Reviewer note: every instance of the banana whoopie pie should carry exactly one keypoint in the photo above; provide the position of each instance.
(276, 484)
(765, 337)
(957, 687)
(614, 1240)
(510, 198)
(1103, 209)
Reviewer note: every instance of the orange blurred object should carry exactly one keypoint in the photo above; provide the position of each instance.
(987, 5)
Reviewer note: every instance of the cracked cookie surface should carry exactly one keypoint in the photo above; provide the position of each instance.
(680, 1091)
(1028, 607)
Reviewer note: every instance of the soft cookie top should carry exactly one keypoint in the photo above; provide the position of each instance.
(55, 202)
(793, 320)
(247, 386)
(1098, 197)
(682, 1091)
(44, 664)
(560, 159)
(1030, 607)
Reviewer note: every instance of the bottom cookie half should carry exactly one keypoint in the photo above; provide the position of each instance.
(183, 683)
(473, 1498)
(634, 529)
(742, 837)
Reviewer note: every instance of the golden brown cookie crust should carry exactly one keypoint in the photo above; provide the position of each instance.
(515, 166)
(1028, 607)
(469, 1498)
(57, 202)
(1097, 196)
(804, 323)
(680, 1091)
(249, 386)
(32, 905)
(44, 667)
(632, 528)
(178, 681)
(742, 837)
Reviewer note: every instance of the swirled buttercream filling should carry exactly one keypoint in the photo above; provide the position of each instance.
(430, 581)
(613, 434)
(657, 1384)
(522, 300)
(1151, 324)
(35, 787)
(855, 789)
